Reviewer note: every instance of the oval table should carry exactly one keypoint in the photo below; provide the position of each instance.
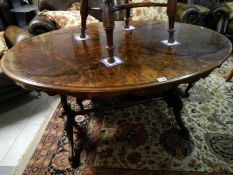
(58, 63)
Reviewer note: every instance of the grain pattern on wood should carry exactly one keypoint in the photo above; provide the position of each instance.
(57, 63)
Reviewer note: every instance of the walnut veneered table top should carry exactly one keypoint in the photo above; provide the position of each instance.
(57, 63)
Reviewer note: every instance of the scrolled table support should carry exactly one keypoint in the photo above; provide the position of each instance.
(190, 85)
(173, 100)
(69, 122)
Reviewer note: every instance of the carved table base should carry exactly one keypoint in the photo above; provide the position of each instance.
(173, 100)
(69, 121)
(186, 93)
(171, 97)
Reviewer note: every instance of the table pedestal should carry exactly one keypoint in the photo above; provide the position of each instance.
(69, 121)
(171, 97)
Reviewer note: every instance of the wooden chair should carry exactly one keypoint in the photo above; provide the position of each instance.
(12, 35)
(108, 11)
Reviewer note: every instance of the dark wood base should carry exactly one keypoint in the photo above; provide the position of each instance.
(171, 97)
(173, 100)
(186, 93)
(69, 119)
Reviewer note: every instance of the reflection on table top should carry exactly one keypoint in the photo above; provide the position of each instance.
(56, 62)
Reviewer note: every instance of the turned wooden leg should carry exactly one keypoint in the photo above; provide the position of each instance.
(83, 13)
(69, 124)
(69, 119)
(186, 93)
(174, 101)
(171, 12)
(108, 23)
(127, 16)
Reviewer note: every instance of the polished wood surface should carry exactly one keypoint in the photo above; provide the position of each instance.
(57, 63)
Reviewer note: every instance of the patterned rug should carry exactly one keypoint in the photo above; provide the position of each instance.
(145, 139)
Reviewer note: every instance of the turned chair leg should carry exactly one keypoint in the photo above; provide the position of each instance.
(108, 23)
(171, 12)
(229, 76)
(127, 16)
(83, 13)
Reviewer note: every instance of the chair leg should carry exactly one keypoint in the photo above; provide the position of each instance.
(229, 76)
(127, 16)
(108, 23)
(83, 13)
(171, 12)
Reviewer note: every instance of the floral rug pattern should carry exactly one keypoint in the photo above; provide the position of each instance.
(145, 139)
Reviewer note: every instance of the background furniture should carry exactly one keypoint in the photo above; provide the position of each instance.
(204, 13)
(226, 16)
(6, 17)
(213, 14)
(225, 25)
(19, 13)
(27, 11)
(8, 88)
(41, 24)
(12, 35)
(198, 12)
(186, 13)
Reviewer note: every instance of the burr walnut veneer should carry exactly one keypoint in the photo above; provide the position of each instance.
(57, 63)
